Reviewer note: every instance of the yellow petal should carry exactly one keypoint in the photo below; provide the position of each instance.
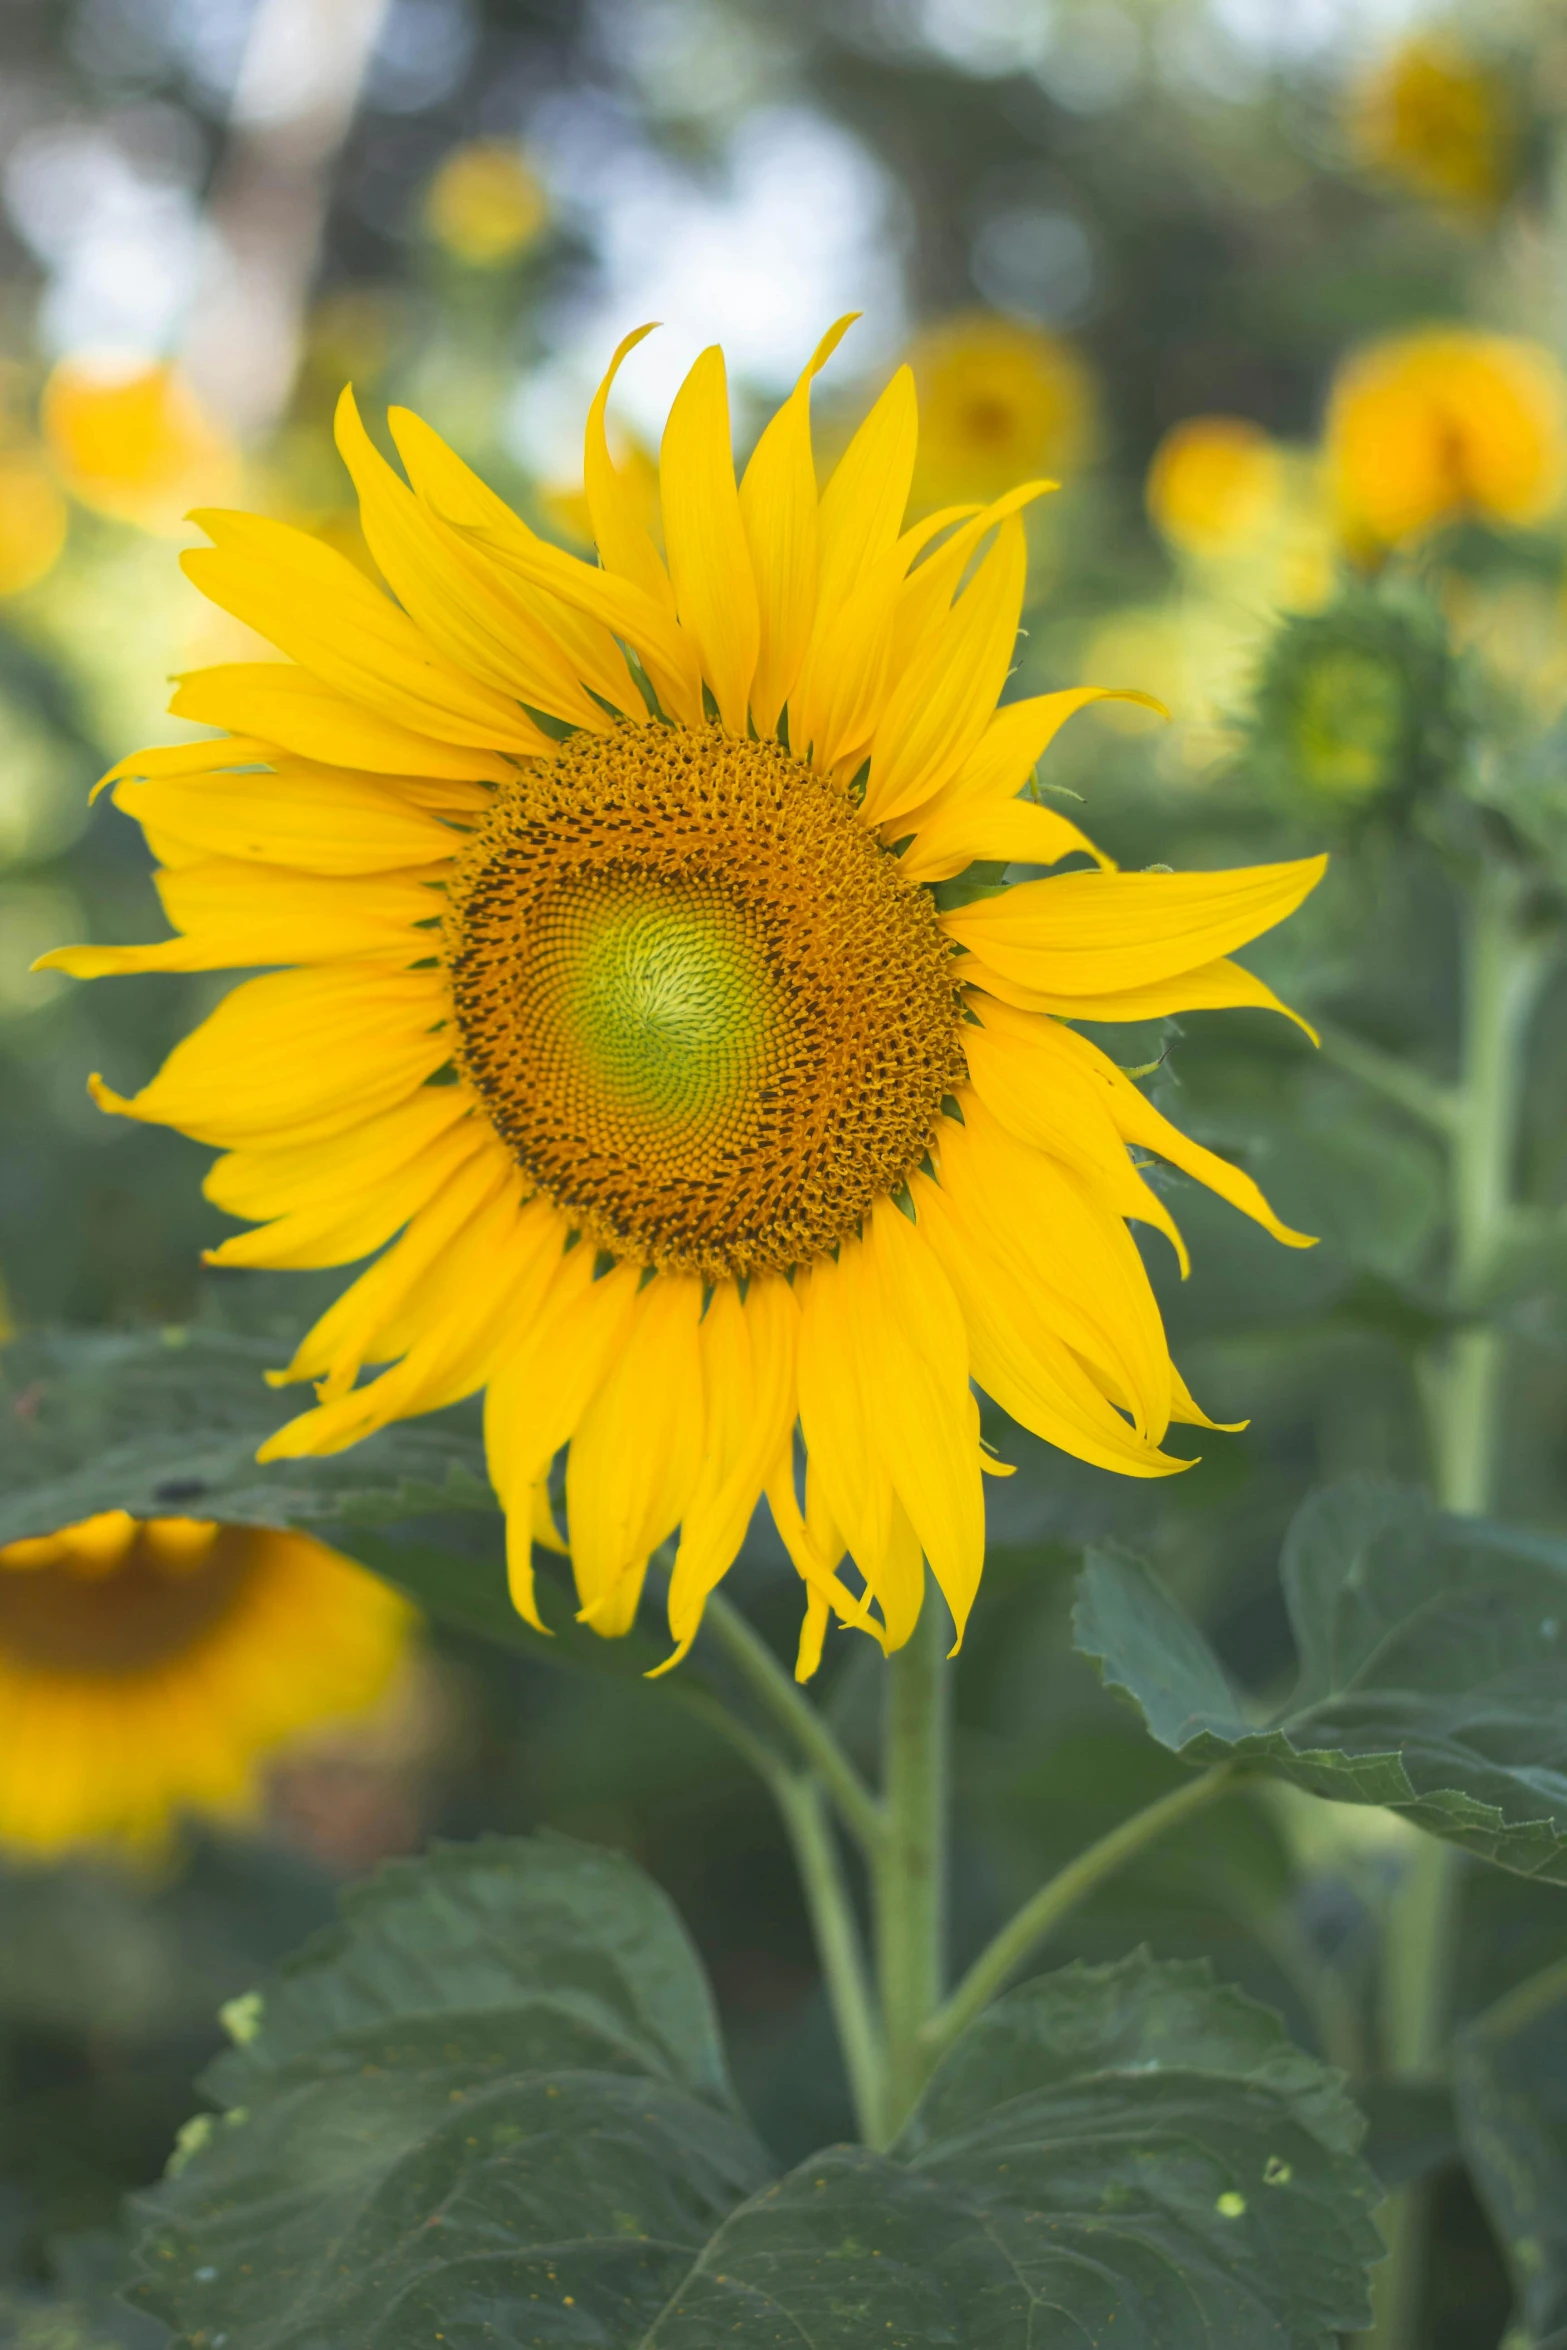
(1017, 1359)
(1097, 934)
(317, 607)
(1136, 1118)
(464, 606)
(748, 1354)
(926, 595)
(709, 561)
(316, 819)
(862, 505)
(619, 532)
(938, 710)
(843, 1458)
(182, 759)
(320, 1050)
(778, 508)
(288, 706)
(607, 605)
(233, 913)
(1016, 832)
(360, 1189)
(1217, 986)
(637, 1451)
(915, 1354)
(843, 684)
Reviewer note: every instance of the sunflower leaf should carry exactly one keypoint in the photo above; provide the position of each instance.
(1510, 2081)
(1433, 1670)
(490, 2106)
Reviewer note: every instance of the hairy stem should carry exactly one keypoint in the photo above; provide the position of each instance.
(910, 1876)
(1044, 1910)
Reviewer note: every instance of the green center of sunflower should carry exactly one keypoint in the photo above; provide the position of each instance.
(698, 999)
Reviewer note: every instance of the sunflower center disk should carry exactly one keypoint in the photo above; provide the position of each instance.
(151, 1605)
(698, 1000)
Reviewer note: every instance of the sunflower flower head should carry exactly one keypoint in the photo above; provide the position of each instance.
(1440, 122)
(999, 400)
(485, 205)
(147, 1668)
(1215, 484)
(621, 1021)
(1441, 425)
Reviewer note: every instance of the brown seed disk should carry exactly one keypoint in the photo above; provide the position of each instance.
(698, 999)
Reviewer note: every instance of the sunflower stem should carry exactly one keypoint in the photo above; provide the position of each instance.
(793, 1713)
(839, 1944)
(1505, 964)
(1044, 1910)
(910, 1876)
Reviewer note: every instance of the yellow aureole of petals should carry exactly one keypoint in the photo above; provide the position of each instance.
(1047, 1099)
(232, 913)
(843, 684)
(1220, 986)
(544, 1530)
(1032, 1053)
(603, 599)
(748, 1381)
(940, 707)
(174, 760)
(1073, 1255)
(493, 1274)
(361, 1188)
(636, 1453)
(1016, 1356)
(320, 609)
(926, 597)
(287, 706)
(619, 532)
(1097, 934)
(778, 508)
(709, 561)
(356, 1327)
(846, 1466)
(915, 1353)
(539, 1391)
(320, 1049)
(314, 819)
(978, 813)
(863, 504)
(466, 608)
(815, 1548)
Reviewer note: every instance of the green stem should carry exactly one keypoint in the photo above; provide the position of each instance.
(1503, 970)
(1044, 1910)
(857, 1807)
(1434, 1105)
(910, 1874)
(838, 1944)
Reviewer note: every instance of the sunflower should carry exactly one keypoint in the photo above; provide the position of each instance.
(1440, 121)
(999, 399)
(626, 1021)
(147, 1667)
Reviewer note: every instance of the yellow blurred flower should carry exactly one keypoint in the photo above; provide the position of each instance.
(133, 441)
(1434, 118)
(147, 1668)
(999, 401)
(1215, 483)
(485, 205)
(32, 518)
(1427, 427)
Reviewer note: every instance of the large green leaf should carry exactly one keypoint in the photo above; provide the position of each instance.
(491, 2109)
(1433, 1670)
(157, 1421)
(1510, 2078)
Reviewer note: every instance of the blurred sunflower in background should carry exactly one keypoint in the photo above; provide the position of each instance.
(1442, 425)
(148, 1668)
(626, 1004)
(486, 206)
(131, 440)
(1434, 118)
(999, 401)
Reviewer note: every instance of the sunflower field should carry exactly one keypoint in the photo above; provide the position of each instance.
(783, 1174)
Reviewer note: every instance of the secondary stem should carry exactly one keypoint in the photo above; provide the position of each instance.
(1504, 967)
(1044, 1910)
(910, 1876)
(749, 1653)
(838, 1945)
